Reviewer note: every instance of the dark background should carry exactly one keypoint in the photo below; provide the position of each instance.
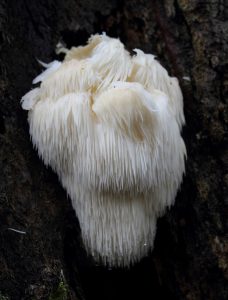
(190, 257)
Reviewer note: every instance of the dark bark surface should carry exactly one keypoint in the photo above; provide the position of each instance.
(189, 260)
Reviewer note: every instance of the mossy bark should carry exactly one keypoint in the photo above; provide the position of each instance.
(189, 260)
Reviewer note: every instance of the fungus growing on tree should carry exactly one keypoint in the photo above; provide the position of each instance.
(109, 125)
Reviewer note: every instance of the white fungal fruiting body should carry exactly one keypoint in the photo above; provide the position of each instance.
(109, 125)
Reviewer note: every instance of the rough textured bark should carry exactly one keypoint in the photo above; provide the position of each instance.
(189, 260)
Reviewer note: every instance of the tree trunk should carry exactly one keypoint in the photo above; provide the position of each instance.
(44, 258)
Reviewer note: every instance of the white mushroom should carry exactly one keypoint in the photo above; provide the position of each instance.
(109, 125)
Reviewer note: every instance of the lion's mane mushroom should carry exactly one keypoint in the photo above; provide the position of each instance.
(109, 126)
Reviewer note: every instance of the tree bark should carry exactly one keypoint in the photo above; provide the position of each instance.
(44, 258)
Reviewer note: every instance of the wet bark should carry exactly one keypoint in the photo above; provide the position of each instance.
(46, 260)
